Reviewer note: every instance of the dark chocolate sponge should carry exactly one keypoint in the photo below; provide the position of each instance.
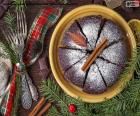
(94, 82)
(112, 32)
(90, 27)
(116, 53)
(110, 72)
(105, 71)
(75, 73)
(69, 57)
(67, 39)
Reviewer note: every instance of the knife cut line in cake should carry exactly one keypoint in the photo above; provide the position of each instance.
(100, 30)
(101, 75)
(86, 77)
(81, 30)
(120, 65)
(74, 64)
(72, 48)
(114, 42)
(96, 52)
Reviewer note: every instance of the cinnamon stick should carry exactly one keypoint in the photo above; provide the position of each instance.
(44, 109)
(38, 107)
(94, 54)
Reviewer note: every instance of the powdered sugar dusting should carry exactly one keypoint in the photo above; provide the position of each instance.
(94, 82)
(116, 53)
(109, 71)
(91, 26)
(111, 31)
(75, 74)
(69, 57)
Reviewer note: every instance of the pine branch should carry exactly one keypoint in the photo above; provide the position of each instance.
(53, 112)
(125, 103)
(9, 19)
(19, 4)
(53, 92)
(8, 52)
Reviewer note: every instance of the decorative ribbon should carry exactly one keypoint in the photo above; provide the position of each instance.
(42, 23)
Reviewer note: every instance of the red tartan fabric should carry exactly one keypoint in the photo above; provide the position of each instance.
(43, 20)
(11, 94)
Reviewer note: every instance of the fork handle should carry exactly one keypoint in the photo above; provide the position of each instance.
(26, 98)
(32, 88)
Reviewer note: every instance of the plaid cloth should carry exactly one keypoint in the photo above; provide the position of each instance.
(7, 102)
(42, 23)
(44, 20)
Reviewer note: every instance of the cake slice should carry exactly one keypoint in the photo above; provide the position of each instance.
(94, 82)
(91, 27)
(116, 53)
(75, 74)
(67, 39)
(109, 71)
(68, 57)
(112, 32)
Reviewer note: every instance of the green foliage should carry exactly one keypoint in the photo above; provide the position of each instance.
(134, 63)
(54, 93)
(19, 4)
(8, 52)
(9, 19)
(53, 111)
(125, 104)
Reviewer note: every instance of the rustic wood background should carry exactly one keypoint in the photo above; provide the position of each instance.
(33, 6)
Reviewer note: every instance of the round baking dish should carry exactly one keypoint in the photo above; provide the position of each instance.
(57, 36)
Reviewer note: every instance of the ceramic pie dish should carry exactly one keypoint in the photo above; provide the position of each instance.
(74, 82)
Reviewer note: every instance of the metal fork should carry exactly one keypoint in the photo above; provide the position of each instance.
(16, 39)
(22, 34)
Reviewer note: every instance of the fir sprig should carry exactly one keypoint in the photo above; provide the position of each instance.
(9, 19)
(8, 52)
(53, 111)
(124, 104)
(134, 63)
(53, 92)
(19, 4)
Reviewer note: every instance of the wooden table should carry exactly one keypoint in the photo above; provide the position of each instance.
(33, 6)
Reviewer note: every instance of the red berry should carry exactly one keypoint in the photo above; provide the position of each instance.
(72, 108)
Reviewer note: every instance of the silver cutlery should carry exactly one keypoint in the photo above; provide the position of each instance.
(22, 34)
(26, 98)
(16, 39)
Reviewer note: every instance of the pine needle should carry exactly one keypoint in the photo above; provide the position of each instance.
(9, 19)
(19, 4)
(8, 52)
(53, 92)
(53, 112)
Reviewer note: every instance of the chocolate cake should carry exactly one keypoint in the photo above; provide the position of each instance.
(73, 53)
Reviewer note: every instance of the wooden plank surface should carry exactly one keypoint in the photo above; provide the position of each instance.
(33, 6)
